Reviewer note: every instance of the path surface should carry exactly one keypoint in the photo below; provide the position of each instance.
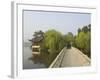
(74, 58)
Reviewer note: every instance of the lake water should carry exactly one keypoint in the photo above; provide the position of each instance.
(28, 61)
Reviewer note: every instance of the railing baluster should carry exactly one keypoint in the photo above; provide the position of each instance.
(58, 60)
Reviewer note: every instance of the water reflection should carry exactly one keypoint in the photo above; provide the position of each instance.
(30, 61)
(35, 59)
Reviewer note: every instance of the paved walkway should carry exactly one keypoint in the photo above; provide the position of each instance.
(74, 58)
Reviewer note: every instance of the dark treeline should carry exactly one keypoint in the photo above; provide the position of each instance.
(53, 42)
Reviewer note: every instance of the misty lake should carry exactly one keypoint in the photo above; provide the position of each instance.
(28, 61)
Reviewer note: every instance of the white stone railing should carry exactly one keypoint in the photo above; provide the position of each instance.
(58, 60)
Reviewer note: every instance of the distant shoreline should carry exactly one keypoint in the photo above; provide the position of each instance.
(26, 44)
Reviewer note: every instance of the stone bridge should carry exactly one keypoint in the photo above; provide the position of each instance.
(70, 58)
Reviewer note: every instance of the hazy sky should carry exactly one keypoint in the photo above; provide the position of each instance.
(63, 22)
